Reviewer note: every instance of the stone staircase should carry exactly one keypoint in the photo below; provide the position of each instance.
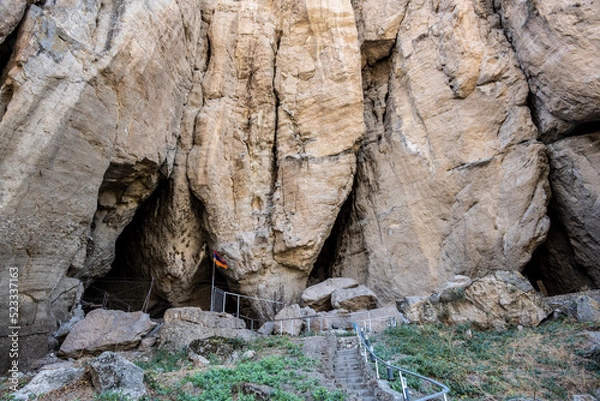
(349, 373)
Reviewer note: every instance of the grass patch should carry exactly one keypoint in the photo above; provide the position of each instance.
(283, 368)
(543, 362)
(286, 375)
(164, 361)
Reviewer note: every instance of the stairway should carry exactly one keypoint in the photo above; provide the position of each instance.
(349, 374)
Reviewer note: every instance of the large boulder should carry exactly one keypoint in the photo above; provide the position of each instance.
(50, 378)
(318, 296)
(588, 309)
(103, 330)
(183, 325)
(354, 298)
(111, 372)
(496, 301)
(291, 320)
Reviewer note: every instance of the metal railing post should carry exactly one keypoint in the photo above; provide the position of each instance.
(238, 306)
(390, 372)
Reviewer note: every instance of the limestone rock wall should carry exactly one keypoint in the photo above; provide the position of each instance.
(451, 178)
(91, 113)
(140, 136)
(557, 44)
(274, 142)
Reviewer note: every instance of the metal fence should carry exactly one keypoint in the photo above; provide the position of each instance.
(395, 372)
(221, 300)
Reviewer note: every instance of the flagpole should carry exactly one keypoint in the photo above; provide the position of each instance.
(212, 286)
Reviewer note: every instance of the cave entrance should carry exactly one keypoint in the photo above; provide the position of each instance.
(151, 270)
(324, 266)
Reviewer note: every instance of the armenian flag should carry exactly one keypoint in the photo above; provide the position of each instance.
(219, 261)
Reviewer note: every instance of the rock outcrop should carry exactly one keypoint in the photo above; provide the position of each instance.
(451, 179)
(111, 372)
(557, 45)
(90, 116)
(318, 297)
(496, 301)
(183, 325)
(387, 141)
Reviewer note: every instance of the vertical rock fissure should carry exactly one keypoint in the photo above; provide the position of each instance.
(324, 265)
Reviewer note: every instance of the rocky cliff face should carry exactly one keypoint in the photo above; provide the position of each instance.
(398, 143)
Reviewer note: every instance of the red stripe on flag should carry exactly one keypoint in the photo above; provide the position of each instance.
(219, 261)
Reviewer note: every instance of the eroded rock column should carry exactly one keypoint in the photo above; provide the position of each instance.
(273, 156)
(451, 179)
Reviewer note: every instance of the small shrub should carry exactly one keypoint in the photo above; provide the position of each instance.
(164, 361)
(112, 396)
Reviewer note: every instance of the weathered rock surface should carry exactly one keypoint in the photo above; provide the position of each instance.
(588, 309)
(274, 143)
(568, 304)
(183, 325)
(557, 44)
(451, 179)
(90, 116)
(289, 320)
(111, 372)
(318, 297)
(224, 349)
(495, 301)
(49, 379)
(354, 298)
(244, 127)
(103, 330)
(12, 12)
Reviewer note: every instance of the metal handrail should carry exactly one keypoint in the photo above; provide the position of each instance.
(364, 343)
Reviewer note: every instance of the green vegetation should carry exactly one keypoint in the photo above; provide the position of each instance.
(544, 362)
(112, 396)
(280, 364)
(282, 373)
(164, 361)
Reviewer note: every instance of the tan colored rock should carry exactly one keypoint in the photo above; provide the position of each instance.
(451, 178)
(103, 330)
(378, 23)
(184, 325)
(97, 108)
(290, 320)
(557, 44)
(354, 299)
(273, 157)
(318, 296)
(496, 301)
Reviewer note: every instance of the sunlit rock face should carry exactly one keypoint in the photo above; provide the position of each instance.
(274, 148)
(137, 137)
(451, 178)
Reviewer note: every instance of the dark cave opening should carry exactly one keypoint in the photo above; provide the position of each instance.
(323, 267)
(6, 49)
(553, 268)
(585, 128)
(136, 280)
